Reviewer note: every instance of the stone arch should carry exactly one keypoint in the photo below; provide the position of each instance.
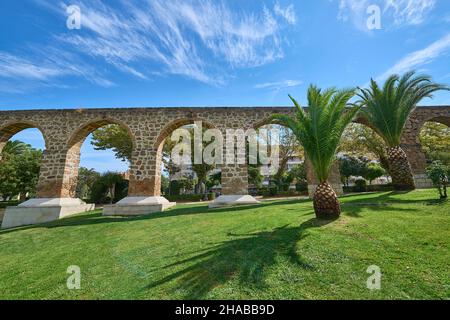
(445, 120)
(411, 141)
(10, 129)
(265, 122)
(159, 144)
(81, 133)
(175, 124)
(419, 154)
(73, 149)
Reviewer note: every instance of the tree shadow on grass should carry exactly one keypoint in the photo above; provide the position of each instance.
(96, 217)
(352, 205)
(245, 258)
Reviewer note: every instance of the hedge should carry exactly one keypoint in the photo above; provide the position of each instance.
(185, 197)
(4, 204)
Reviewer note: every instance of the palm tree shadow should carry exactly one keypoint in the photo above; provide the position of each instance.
(245, 258)
(380, 202)
(96, 217)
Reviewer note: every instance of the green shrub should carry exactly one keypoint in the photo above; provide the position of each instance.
(273, 190)
(380, 187)
(360, 186)
(347, 189)
(263, 191)
(100, 191)
(4, 204)
(289, 193)
(211, 196)
(301, 186)
(185, 197)
(439, 175)
(174, 188)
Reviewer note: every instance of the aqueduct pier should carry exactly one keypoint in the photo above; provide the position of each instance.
(64, 132)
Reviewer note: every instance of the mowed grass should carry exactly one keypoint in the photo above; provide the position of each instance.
(276, 250)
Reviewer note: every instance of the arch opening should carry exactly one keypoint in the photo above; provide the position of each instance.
(434, 138)
(22, 146)
(288, 175)
(185, 181)
(98, 161)
(363, 160)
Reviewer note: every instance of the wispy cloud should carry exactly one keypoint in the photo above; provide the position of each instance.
(395, 13)
(16, 67)
(43, 66)
(408, 12)
(288, 13)
(278, 85)
(198, 39)
(420, 57)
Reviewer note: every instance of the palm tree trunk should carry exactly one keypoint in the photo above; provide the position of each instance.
(400, 170)
(326, 203)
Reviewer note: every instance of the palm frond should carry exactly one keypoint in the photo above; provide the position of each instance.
(320, 129)
(387, 109)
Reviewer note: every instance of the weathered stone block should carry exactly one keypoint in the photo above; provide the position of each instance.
(134, 206)
(233, 200)
(36, 211)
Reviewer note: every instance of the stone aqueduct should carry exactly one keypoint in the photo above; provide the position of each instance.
(65, 130)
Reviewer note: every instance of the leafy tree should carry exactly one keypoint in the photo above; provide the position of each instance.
(351, 166)
(284, 182)
(435, 141)
(113, 137)
(214, 180)
(28, 165)
(439, 174)
(110, 187)
(165, 182)
(298, 173)
(319, 131)
(86, 179)
(187, 183)
(373, 171)
(254, 175)
(387, 109)
(8, 177)
(19, 170)
(360, 140)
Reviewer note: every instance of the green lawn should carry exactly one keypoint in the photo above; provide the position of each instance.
(276, 250)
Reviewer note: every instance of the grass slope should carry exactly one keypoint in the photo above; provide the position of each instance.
(276, 250)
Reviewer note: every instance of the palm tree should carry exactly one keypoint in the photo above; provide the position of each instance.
(15, 147)
(319, 131)
(387, 109)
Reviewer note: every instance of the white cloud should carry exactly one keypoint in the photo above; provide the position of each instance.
(409, 12)
(44, 66)
(197, 38)
(16, 67)
(278, 85)
(420, 57)
(288, 13)
(396, 13)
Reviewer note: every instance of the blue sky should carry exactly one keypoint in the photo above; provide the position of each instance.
(209, 53)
